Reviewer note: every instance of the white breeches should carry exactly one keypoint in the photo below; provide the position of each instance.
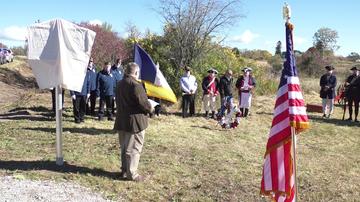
(209, 102)
(245, 100)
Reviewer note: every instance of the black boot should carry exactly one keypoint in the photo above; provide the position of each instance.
(246, 112)
(206, 114)
(242, 112)
(212, 115)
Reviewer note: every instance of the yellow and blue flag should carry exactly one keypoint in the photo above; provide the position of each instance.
(150, 74)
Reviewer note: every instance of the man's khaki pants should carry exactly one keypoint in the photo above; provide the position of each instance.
(131, 146)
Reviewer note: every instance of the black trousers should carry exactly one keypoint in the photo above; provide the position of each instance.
(79, 107)
(53, 99)
(108, 100)
(113, 106)
(91, 104)
(350, 104)
(188, 101)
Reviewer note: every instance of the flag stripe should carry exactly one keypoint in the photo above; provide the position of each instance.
(289, 111)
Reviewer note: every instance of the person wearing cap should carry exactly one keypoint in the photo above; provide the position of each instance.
(105, 90)
(225, 86)
(210, 86)
(352, 86)
(245, 84)
(188, 86)
(91, 102)
(327, 91)
(79, 99)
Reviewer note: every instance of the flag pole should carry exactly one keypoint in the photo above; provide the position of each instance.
(287, 16)
(59, 106)
(293, 140)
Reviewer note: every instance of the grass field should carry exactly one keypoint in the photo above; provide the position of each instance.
(189, 159)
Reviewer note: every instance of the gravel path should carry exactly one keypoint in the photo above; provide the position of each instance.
(14, 190)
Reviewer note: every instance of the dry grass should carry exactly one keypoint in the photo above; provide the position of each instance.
(185, 159)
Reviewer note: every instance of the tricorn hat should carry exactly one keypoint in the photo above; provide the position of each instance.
(187, 68)
(354, 68)
(247, 69)
(212, 70)
(329, 67)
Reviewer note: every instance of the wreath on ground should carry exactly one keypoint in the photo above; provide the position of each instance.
(229, 114)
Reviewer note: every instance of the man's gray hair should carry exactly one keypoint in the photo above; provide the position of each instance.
(131, 68)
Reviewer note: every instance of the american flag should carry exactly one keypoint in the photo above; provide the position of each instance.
(278, 180)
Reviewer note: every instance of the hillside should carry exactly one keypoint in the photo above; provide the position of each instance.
(184, 159)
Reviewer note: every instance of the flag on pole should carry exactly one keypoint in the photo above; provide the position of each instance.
(155, 82)
(278, 180)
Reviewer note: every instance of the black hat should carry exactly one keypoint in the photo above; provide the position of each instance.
(329, 67)
(212, 70)
(354, 68)
(247, 69)
(187, 68)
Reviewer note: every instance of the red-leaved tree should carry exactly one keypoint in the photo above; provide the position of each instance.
(108, 45)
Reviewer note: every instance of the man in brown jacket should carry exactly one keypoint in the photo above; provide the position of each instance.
(131, 121)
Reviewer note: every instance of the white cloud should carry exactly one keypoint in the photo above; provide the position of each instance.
(245, 38)
(13, 33)
(95, 22)
(298, 41)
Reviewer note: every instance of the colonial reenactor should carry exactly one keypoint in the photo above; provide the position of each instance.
(118, 72)
(225, 87)
(327, 91)
(105, 89)
(210, 86)
(245, 85)
(79, 99)
(91, 102)
(352, 94)
(188, 86)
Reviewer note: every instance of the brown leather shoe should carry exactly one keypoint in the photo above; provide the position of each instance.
(139, 178)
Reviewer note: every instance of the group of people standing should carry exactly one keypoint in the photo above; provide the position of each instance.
(100, 85)
(212, 87)
(328, 84)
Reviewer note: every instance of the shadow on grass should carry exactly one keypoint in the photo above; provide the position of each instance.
(35, 109)
(24, 115)
(84, 131)
(206, 127)
(334, 121)
(51, 166)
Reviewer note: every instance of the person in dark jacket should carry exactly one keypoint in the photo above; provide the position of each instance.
(131, 121)
(91, 102)
(225, 86)
(210, 85)
(118, 72)
(352, 86)
(327, 91)
(105, 90)
(79, 99)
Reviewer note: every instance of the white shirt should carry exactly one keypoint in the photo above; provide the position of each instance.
(246, 82)
(188, 83)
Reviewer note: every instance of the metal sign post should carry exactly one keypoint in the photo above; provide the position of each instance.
(59, 106)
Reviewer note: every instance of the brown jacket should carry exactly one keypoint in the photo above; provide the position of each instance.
(132, 106)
